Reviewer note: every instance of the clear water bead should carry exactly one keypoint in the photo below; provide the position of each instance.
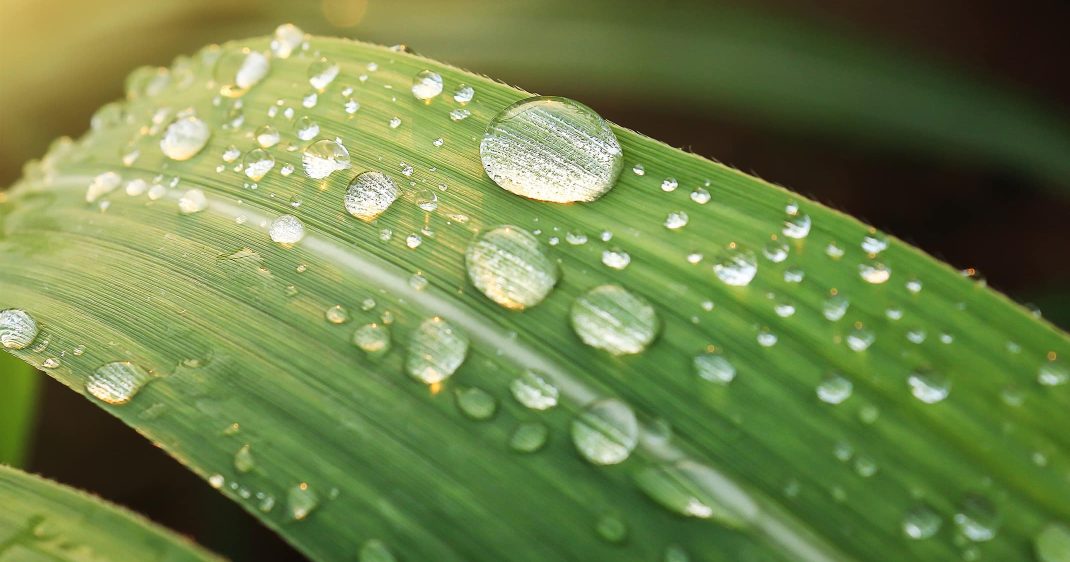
(117, 383)
(1052, 543)
(321, 73)
(714, 367)
(606, 432)
(288, 37)
(257, 163)
(551, 149)
(611, 318)
(239, 70)
(286, 230)
(533, 391)
(511, 267)
(695, 490)
(929, 387)
(324, 157)
(426, 85)
(736, 267)
(373, 339)
(834, 389)
(184, 138)
(300, 501)
(436, 351)
(921, 522)
(102, 185)
(370, 194)
(17, 328)
(464, 94)
(192, 201)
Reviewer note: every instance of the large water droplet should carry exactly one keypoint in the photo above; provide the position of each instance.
(977, 518)
(257, 163)
(928, 386)
(551, 149)
(532, 390)
(184, 138)
(102, 185)
(321, 73)
(875, 272)
(426, 85)
(736, 267)
(834, 389)
(714, 367)
(606, 432)
(286, 230)
(288, 37)
(611, 318)
(324, 157)
(117, 383)
(370, 194)
(192, 201)
(695, 490)
(1052, 544)
(239, 70)
(17, 328)
(476, 403)
(921, 522)
(1053, 373)
(511, 267)
(373, 339)
(300, 501)
(436, 350)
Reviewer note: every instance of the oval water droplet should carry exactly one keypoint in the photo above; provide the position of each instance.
(921, 522)
(606, 432)
(1052, 544)
(529, 437)
(239, 70)
(928, 386)
(375, 550)
(17, 328)
(611, 318)
(288, 37)
(714, 367)
(370, 194)
(337, 314)
(102, 185)
(551, 149)
(464, 94)
(373, 339)
(300, 501)
(874, 272)
(243, 459)
(1053, 373)
(324, 157)
(321, 73)
(511, 267)
(977, 518)
(834, 389)
(184, 138)
(436, 350)
(286, 230)
(426, 85)
(736, 267)
(476, 403)
(611, 528)
(696, 490)
(192, 201)
(257, 163)
(116, 383)
(533, 390)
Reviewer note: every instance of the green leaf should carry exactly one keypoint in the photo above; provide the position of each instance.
(253, 380)
(42, 520)
(17, 407)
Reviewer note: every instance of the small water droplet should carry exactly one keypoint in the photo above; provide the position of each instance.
(533, 390)
(700, 196)
(611, 318)
(611, 528)
(216, 481)
(1052, 544)
(977, 518)
(17, 328)
(426, 85)
(921, 522)
(639, 170)
(243, 459)
(476, 403)
(307, 129)
(436, 350)
(675, 553)
(796, 226)
(511, 267)
(606, 432)
(695, 490)
(300, 501)
(321, 73)
(713, 367)
(267, 136)
(50, 363)
(860, 338)
(102, 185)
(529, 437)
(184, 138)
(928, 386)
(286, 230)
(257, 163)
(775, 251)
(324, 157)
(834, 389)
(192, 201)
(116, 383)
(288, 37)
(669, 185)
(413, 241)
(875, 272)
(615, 258)
(1053, 373)
(370, 194)
(736, 267)
(766, 338)
(676, 220)
(459, 114)
(373, 339)
(874, 244)
(239, 70)
(464, 94)
(914, 286)
(394, 122)
(375, 550)
(551, 149)
(337, 314)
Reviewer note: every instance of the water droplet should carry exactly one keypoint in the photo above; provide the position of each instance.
(865, 466)
(551, 149)
(834, 251)
(611, 528)
(375, 550)
(476, 403)
(370, 194)
(463, 94)
(606, 432)
(638, 170)
(669, 185)
(267, 136)
(1052, 544)
(309, 101)
(874, 244)
(766, 338)
(426, 200)
(116, 383)
(611, 318)
(695, 490)
(231, 154)
(216, 481)
(418, 282)
(351, 106)
(300, 501)
(796, 226)
(288, 37)
(184, 138)
(736, 267)
(337, 314)
(324, 157)
(1053, 373)
(257, 163)
(192, 201)
(529, 437)
(239, 70)
(413, 241)
(286, 230)
(511, 267)
(307, 129)
(714, 367)
(834, 389)
(243, 459)
(426, 85)
(136, 187)
(436, 350)
(775, 251)
(921, 522)
(321, 73)
(675, 553)
(533, 391)
(102, 185)
(676, 220)
(860, 338)
(615, 258)
(977, 519)
(395, 122)
(929, 387)
(700, 196)
(373, 339)
(50, 363)
(875, 273)
(914, 286)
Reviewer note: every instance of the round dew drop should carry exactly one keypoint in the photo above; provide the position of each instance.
(286, 230)
(713, 367)
(606, 432)
(476, 403)
(436, 351)
(17, 328)
(370, 194)
(611, 318)
(529, 437)
(373, 339)
(288, 37)
(102, 185)
(921, 522)
(551, 149)
(192, 201)
(324, 157)
(736, 267)
(321, 73)
(300, 501)
(511, 267)
(534, 391)
(184, 138)
(426, 85)
(239, 70)
(929, 387)
(257, 163)
(1052, 544)
(117, 383)
(834, 389)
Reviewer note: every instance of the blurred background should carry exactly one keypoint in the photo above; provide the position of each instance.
(943, 122)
